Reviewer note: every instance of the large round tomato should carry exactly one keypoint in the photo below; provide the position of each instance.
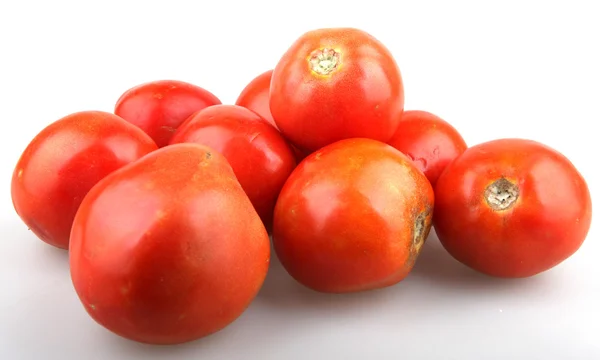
(429, 141)
(159, 107)
(168, 249)
(333, 84)
(255, 96)
(261, 159)
(62, 163)
(512, 208)
(352, 216)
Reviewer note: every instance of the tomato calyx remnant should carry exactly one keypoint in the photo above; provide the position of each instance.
(324, 61)
(501, 194)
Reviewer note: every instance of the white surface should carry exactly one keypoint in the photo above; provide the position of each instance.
(515, 69)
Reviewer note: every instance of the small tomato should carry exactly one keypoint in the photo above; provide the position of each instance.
(334, 84)
(512, 208)
(429, 141)
(352, 216)
(64, 161)
(260, 157)
(159, 107)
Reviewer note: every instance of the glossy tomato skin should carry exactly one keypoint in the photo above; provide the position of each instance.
(512, 208)
(352, 217)
(64, 161)
(159, 107)
(315, 103)
(255, 96)
(431, 142)
(168, 249)
(261, 159)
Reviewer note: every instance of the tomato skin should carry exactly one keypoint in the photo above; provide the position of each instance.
(159, 107)
(546, 224)
(255, 96)
(168, 249)
(363, 97)
(261, 159)
(431, 142)
(352, 217)
(63, 162)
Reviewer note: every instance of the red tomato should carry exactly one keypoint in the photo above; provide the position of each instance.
(255, 96)
(259, 156)
(159, 107)
(168, 249)
(512, 208)
(62, 163)
(333, 84)
(429, 141)
(352, 216)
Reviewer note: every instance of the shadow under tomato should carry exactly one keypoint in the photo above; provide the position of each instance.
(437, 267)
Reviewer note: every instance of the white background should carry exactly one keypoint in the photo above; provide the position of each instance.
(512, 69)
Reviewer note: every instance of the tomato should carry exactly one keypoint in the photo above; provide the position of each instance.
(255, 96)
(429, 141)
(168, 249)
(333, 84)
(512, 208)
(62, 163)
(352, 216)
(159, 107)
(259, 156)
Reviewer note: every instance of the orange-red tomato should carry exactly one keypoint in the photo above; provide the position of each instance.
(159, 107)
(512, 208)
(429, 141)
(261, 159)
(168, 249)
(334, 84)
(352, 216)
(62, 163)
(255, 96)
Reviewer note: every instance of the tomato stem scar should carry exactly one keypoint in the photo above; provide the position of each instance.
(501, 194)
(324, 61)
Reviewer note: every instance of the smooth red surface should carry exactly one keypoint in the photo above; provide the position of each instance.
(260, 157)
(62, 163)
(168, 249)
(546, 225)
(159, 107)
(255, 96)
(345, 218)
(362, 97)
(431, 142)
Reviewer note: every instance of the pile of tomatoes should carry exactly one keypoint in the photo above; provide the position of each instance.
(168, 205)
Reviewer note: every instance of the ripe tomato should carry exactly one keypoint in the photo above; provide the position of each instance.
(259, 156)
(352, 216)
(429, 141)
(255, 96)
(333, 84)
(168, 249)
(62, 163)
(159, 107)
(512, 208)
